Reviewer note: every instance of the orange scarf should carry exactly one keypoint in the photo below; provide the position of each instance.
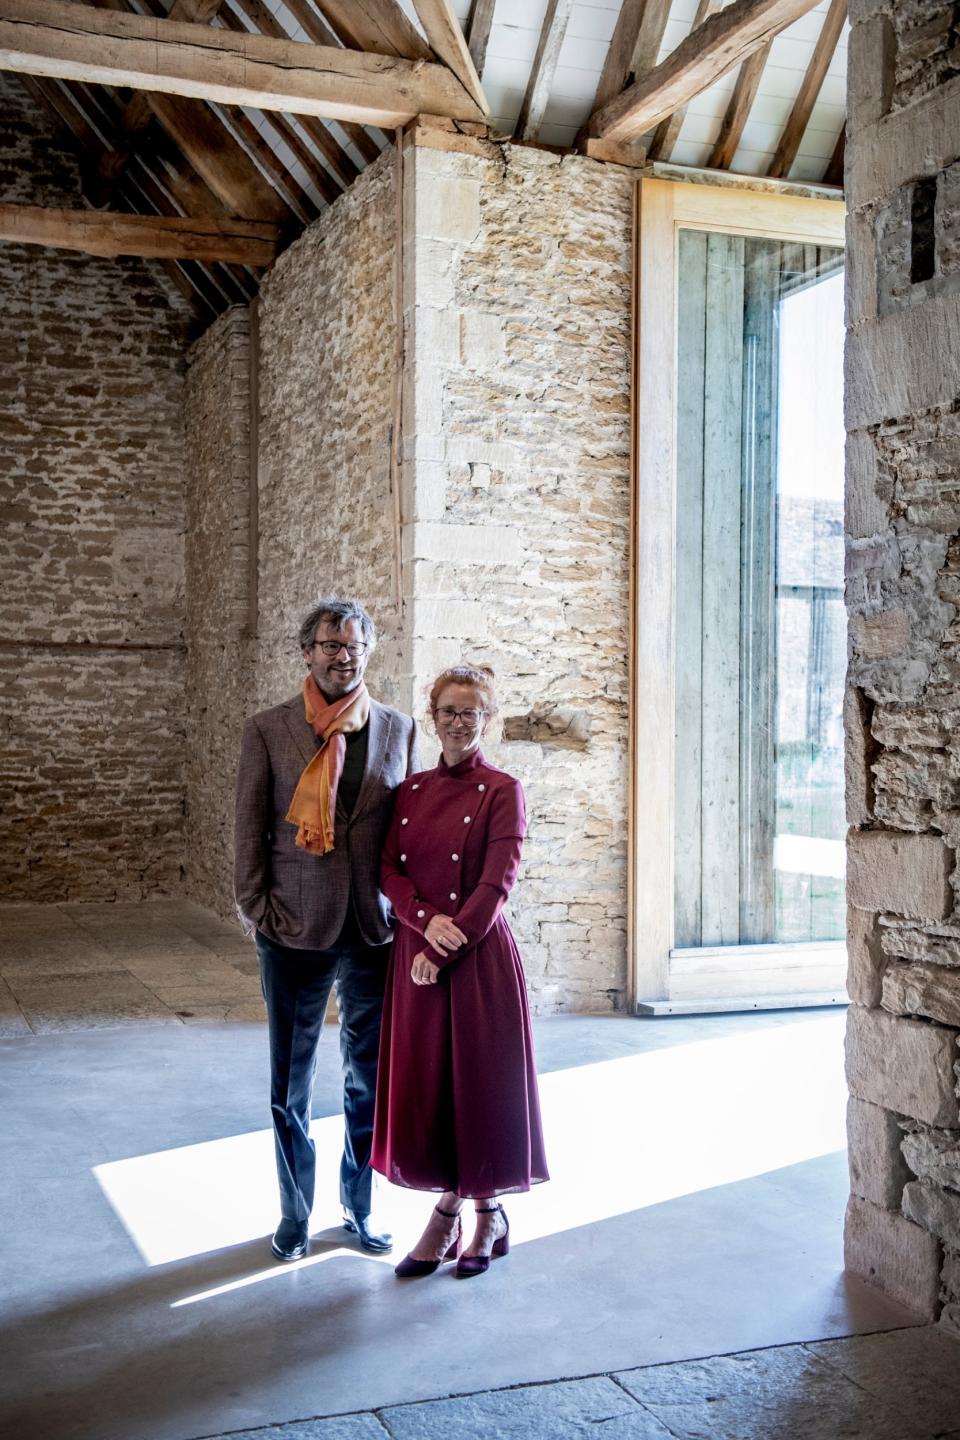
(314, 802)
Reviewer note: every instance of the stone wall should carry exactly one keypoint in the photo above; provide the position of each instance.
(219, 690)
(903, 705)
(515, 499)
(516, 508)
(327, 362)
(91, 549)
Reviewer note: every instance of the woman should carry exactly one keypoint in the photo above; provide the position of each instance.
(457, 1107)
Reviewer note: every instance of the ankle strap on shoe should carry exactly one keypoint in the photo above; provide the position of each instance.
(487, 1209)
(450, 1214)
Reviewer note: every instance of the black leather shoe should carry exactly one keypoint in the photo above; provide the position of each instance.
(290, 1241)
(359, 1225)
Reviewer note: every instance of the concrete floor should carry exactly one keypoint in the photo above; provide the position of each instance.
(695, 1211)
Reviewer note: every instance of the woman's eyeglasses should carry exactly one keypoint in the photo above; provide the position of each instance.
(446, 715)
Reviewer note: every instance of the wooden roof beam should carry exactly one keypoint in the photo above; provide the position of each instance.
(94, 232)
(545, 62)
(662, 144)
(479, 25)
(634, 48)
(171, 57)
(738, 109)
(263, 19)
(319, 33)
(376, 25)
(439, 20)
(724, 40)
(810, 88)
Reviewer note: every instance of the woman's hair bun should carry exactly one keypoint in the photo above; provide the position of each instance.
(488, 670)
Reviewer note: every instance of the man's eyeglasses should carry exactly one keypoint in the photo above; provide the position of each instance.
(354, 649)
(446, 715)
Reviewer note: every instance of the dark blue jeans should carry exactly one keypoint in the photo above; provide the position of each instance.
(296, 987)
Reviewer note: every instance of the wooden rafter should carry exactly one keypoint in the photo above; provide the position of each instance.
(319, 33)
(545, 62)
(439, 20)
(53, 37)
(634, 48)
(833, 175)
(219, 158)
(376, 25)
(667, 131)
(738, 109)
(283, 181)
(721, 42)
(263, 18)
(95, 232)
(479, 25)
(810, 88)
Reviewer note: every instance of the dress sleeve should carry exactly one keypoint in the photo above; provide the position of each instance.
(399, 889)
(505, 831)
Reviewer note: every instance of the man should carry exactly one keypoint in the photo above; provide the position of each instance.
(315, 790)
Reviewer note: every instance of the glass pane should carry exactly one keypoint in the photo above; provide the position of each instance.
(760, 637)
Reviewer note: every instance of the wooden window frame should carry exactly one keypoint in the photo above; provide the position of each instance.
(662, 208)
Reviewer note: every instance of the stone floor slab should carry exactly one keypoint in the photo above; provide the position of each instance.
(916, 1370)
(779, 1394)
(566, 1410)
(338, 1427)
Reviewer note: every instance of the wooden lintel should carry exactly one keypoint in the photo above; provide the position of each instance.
(722, 41)
(154, 237)
(54, 37)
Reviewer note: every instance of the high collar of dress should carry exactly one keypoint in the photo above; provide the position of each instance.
(471, 762)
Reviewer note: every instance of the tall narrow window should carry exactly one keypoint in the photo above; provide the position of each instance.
(760, 639)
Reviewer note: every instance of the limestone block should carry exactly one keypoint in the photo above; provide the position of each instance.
(934, 1155)
(905, 874)
(939, 945)
(457, 619)
(436, 335)
(860, 273)
(935, 1209)
(878, 1171)
(870, 78)
(888, 1250)
(858, 750)
(462, 544)
(480, 476)
(423, 487)
(429, 274)
(877, 637)
(904, 1065)
(467, 450)
(865, 958)
(481, 340)
(867, 512)
(931, 990)
(448, 208)
(894, 366)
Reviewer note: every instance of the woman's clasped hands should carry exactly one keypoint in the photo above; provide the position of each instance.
(445, 937)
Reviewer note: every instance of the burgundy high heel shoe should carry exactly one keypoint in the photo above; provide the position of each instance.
(479, 1264)
(410, 1269)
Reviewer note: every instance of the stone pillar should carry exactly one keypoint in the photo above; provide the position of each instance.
(516, 502)
(903, 707)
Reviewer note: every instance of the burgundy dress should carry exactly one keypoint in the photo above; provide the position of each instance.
(457, 1105)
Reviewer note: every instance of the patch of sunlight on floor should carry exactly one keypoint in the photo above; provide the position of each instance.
(621, 1134)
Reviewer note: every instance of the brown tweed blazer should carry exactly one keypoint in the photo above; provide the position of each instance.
(298, 899)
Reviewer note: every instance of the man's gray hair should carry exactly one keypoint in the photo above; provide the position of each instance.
(334, 611)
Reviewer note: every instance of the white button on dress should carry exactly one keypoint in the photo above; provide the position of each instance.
(420, 914)
(404, 822)
(403, 857)
(481, 787)
(466, 819)
(414, 787)
(453, 894)
(454, 856)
